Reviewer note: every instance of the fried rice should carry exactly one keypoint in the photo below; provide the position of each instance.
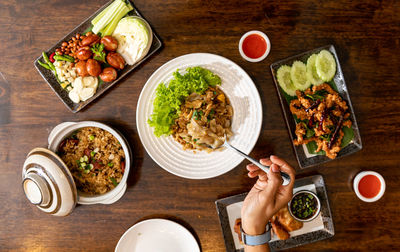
(95, 158)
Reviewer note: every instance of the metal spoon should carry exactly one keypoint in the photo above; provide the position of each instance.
(285, 176)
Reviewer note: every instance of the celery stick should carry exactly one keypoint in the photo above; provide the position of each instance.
(111, 26)
(99, 16)
(116, 14)
(129, 5)
(107, 17)
(104, 19)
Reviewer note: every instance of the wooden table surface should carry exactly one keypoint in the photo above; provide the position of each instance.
(367, 39)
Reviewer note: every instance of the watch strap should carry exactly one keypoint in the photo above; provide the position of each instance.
(254, 240)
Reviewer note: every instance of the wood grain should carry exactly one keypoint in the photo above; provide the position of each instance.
(366, 35)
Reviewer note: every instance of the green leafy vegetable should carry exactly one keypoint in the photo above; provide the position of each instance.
(347, 137)
(169, 98)
(115, 183)
(310, 133)
(197, 114)
(100, 54)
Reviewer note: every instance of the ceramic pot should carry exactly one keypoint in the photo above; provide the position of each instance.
(48, 183)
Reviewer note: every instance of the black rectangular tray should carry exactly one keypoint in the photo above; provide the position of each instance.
(354, 146)
(63, 94)
(313, 236)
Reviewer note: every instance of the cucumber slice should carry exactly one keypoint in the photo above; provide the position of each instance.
(312, 74)
(284, 80)
(325, 65)
(298, 74)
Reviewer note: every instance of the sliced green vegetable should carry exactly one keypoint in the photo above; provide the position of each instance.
(103, 12)
(284, 80)
(312, 74)
(298, 74)
(115, 183)
(326, 65)
(197, 114)
(110, 164)
(113, 24)
(91, 137)
(108, 19)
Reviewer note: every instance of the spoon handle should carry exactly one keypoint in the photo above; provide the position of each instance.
(285, 176)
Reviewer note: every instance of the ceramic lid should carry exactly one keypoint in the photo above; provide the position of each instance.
(48, 183)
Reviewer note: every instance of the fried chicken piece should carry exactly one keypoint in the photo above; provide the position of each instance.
(324, 86)
(278, 229)
(287, 221)
(297, 109)
(332, 152)
(282, 223)
(300, 132)
(347, 123)
(304, 101)
(320, 144)
(236, 228)
(319, 112)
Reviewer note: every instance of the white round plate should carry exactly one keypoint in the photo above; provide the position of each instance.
(246, 122)
(156, 235)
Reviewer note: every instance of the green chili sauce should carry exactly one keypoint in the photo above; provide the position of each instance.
(304, 206)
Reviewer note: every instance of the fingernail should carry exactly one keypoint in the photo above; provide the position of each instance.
(264, 160)
(275, 168)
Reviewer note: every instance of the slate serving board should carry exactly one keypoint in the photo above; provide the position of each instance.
(49, 77)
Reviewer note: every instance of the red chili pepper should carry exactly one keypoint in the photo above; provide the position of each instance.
(123, 167)
(87, 152)
(334, 136)
(97, 165)
(321, 120)
(311, 122)
(51, 58)
(314, 105)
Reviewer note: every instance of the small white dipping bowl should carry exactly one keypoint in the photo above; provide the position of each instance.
(263, 35)
(357, 180)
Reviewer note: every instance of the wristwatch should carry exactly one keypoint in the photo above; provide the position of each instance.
(254, 240)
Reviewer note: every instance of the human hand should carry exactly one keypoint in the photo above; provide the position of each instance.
(267, 196)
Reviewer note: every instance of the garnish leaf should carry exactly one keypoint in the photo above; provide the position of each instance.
(100, 54)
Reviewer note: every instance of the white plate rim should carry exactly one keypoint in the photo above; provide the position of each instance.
(259, 111)
(158, 220)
